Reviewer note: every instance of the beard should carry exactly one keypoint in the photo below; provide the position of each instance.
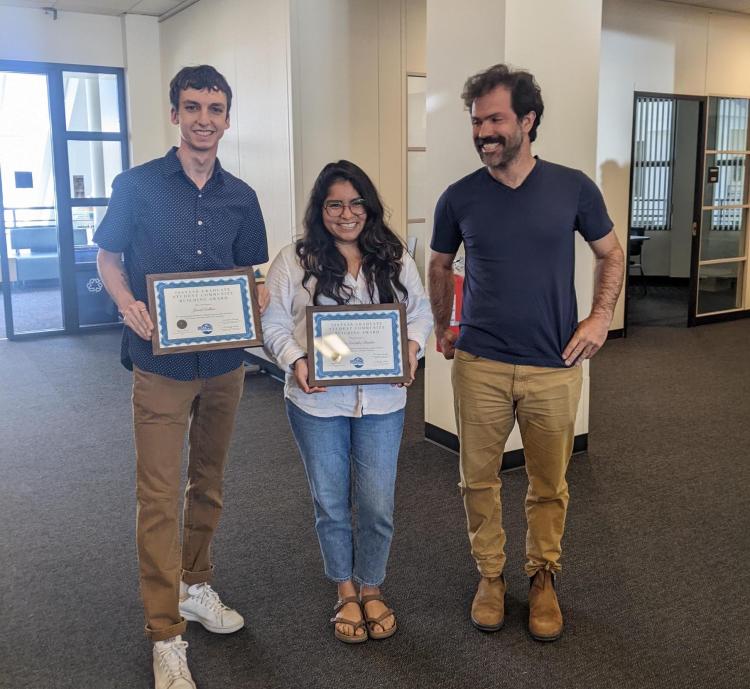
(503, 156)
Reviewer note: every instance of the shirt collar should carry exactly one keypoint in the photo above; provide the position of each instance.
(172, 166)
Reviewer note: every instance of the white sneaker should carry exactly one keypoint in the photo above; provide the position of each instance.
(204, 605)
(170, 665)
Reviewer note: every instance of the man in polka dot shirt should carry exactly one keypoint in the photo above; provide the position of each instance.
(180, 213)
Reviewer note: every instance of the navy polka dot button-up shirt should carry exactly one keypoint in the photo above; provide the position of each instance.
(162, 223)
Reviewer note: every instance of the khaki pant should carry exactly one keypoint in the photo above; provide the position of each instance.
(163, 411)
(489, 397)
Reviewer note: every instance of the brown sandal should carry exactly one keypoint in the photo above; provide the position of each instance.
(371, 621)
(348, 638)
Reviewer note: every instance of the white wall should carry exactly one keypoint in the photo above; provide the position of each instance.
(334, 80)
(248, 42)
(475, 31)
(532, 34)
(74, 38)
(348, 94)
(130, 41)
(665, 48)
(143, 90)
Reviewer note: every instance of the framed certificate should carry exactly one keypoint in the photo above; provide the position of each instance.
(357, 344)
(214, 309)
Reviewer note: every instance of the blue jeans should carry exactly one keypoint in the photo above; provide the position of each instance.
(351, 463)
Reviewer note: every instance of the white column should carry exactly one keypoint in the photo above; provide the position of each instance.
(146, 101)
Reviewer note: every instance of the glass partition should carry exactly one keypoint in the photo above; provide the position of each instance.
(723, 229)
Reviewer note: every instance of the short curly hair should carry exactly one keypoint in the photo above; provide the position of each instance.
(199, 77)
(525, 94)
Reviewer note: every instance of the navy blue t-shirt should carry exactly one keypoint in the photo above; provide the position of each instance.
(519, 301)
(162, 223)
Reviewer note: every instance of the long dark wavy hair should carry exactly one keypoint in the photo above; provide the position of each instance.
(380, 247)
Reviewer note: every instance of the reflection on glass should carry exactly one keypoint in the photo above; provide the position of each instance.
(417, 111)
(725, 180)
(86, 220)
(91, 103)
(720, 287)
(723, 233)
(727, 124)
(417, 167)
(93, 166)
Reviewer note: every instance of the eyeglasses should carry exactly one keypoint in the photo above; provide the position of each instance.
(336, 208)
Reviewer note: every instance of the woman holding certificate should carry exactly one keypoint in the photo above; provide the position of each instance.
(348, 434)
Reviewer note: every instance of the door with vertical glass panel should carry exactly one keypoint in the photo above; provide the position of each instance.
(720, 286)
(96, 153)
(32, 285)
(63, 139)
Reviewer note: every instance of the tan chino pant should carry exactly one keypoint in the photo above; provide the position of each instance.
(164, 410)
(489, 396)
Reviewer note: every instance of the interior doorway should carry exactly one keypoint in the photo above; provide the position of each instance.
(664, 207)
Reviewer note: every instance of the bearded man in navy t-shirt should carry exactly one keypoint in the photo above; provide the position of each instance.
(519, 351)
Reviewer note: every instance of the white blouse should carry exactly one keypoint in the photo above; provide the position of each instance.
(285, 335)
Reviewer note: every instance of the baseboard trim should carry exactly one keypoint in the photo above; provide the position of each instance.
(511, 459)
(722, 317)
(658, 280)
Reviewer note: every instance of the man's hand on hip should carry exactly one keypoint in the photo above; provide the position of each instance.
(135, 316)
(588, 338)
(447, 340)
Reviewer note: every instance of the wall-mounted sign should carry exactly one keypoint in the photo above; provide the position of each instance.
(79, 188)
(713, 174)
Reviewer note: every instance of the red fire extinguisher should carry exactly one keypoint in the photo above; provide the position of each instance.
(458, 295)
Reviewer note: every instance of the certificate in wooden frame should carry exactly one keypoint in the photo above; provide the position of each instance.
(213, 309)
(375, 340)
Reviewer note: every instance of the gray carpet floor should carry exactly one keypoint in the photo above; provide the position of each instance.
(658, 305)
(654, 590)
(35, 308)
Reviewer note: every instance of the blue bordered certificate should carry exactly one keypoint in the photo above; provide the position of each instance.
(357, 344)
(215, 309)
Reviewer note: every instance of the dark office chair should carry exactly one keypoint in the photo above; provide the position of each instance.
(635, 251)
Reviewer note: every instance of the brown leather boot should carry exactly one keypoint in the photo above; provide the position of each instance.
(488, 608)
(545, 618)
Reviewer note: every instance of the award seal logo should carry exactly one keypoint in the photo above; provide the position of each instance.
(357, 362)
(206, 328)
(181, 324)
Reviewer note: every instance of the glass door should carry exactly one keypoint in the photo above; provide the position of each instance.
(63, 139)
(720, 284)
(32, 280)
(96, 152)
